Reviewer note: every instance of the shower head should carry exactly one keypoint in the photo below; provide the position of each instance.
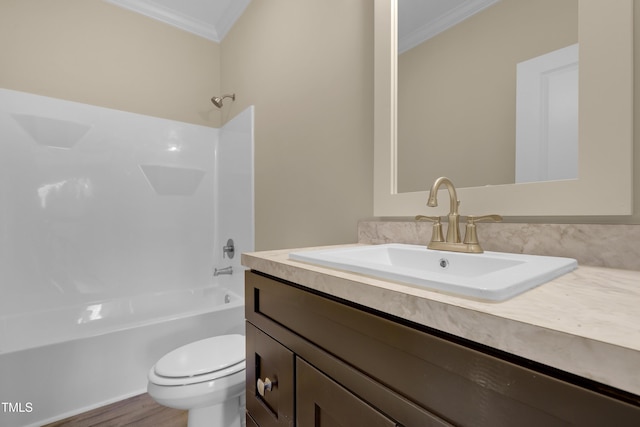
(217, 100)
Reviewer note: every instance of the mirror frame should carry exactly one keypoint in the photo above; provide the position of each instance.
(604, 185)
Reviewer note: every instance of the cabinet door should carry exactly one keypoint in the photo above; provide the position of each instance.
(321, 402)
(269, 380)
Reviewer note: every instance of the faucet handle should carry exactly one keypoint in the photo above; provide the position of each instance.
(436, 233)
(229, 249)
(471, 235)
(473, 219)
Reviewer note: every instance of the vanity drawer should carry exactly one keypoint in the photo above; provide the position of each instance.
(268, 361)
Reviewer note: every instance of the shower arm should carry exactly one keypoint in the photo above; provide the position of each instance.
(217, 100)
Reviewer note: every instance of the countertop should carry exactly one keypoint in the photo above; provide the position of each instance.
(586, 322)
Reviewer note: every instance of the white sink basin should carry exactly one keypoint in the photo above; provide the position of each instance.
(493, 276)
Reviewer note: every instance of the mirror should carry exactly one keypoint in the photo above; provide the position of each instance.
(463, 63)
(603, 187)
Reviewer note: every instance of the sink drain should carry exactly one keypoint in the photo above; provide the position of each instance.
(444, 263)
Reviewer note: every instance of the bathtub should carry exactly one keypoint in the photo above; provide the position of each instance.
(58, 363)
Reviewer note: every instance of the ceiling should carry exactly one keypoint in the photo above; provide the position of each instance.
(418, 20)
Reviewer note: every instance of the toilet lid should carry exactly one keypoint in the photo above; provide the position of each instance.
(202, 357)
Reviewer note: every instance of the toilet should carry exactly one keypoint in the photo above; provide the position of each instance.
(205, 377)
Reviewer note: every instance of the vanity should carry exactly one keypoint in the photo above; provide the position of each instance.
(329, 347)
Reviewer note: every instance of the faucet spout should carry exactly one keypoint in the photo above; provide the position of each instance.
(453, 195)
(453, 230)
(225, 270)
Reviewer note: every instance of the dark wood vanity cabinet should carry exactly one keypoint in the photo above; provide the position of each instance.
(332, 363)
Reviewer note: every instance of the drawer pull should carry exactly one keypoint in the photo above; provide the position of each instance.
(265, 386)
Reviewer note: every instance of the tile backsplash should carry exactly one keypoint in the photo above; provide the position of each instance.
(599, 245)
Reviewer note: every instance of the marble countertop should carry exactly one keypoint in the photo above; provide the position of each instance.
(586, 322)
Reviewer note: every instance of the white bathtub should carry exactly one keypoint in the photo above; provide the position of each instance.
(61, 362)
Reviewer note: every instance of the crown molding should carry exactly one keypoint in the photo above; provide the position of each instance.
(212, 31)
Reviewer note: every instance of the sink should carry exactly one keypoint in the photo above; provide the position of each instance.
(493, 276)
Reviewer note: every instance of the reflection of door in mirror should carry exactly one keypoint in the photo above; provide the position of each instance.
(457, 91)
(547, 117)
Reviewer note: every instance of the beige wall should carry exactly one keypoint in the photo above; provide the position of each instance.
(93, 52)
(457, 91)
(307, 66)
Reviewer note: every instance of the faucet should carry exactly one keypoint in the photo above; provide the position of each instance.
(225, 270)
(453, 242)
(453, 230)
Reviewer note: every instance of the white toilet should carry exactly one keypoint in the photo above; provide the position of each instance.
(207, 378)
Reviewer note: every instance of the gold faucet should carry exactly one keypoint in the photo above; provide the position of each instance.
(453, 243)
(453, 230)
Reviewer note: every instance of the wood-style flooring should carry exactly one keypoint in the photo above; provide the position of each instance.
(138, 411)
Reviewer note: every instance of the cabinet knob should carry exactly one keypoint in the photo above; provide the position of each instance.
(265, 386)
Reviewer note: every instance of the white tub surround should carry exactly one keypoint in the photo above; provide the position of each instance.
(98, 203)
(111, 226)
(585, 322)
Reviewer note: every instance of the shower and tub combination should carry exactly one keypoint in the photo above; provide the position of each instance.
(112, 225)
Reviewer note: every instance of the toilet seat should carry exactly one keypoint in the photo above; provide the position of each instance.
(200, 361)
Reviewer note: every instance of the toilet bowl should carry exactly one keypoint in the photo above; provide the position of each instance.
(207, 378)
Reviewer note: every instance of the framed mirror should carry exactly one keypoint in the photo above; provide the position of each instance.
(605, 128)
